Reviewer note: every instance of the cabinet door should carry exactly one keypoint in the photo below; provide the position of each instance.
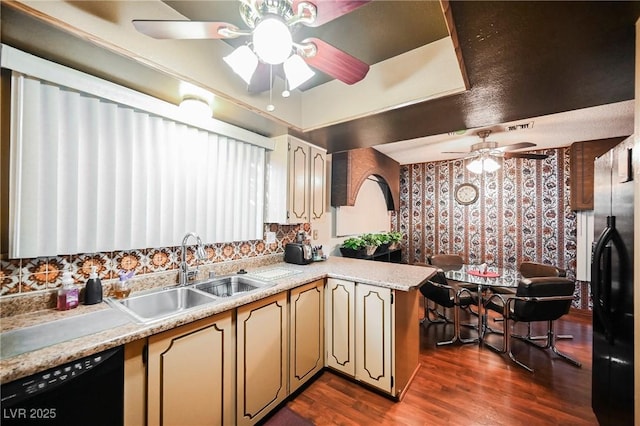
(299, 163)
(306, 332)
(318, 176)
(190, 374)
(374, 338)
(340, 325)
(262, 357)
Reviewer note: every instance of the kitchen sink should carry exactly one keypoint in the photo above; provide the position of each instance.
(230, 285)
(162, 304)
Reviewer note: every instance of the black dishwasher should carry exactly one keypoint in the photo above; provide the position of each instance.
(88, 391)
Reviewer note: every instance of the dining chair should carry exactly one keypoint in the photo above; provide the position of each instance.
(438, 290)
(536, 299)
(534, 269)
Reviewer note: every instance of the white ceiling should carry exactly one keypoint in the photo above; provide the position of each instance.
(548, 131)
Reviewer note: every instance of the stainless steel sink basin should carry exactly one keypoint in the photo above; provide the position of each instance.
(162, 304)
(230, 285)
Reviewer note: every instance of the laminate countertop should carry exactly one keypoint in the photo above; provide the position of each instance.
(395, 276)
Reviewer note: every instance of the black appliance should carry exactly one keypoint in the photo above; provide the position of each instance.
(612, 287)
(88, 391)
(298, 253)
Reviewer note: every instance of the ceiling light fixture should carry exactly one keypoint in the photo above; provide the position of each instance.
(297, 71)
(483, 164)
(272, 40)
(195, 106)
(272, 44)
(243, 62)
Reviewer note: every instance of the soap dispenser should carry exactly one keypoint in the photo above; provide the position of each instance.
(68, 293)
(93, 289)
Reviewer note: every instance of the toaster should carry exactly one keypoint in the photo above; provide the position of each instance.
(298, 253)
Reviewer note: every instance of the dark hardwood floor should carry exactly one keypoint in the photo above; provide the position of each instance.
(469, 385)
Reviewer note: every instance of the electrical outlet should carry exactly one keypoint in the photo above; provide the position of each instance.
(270, 237)
(315, 234)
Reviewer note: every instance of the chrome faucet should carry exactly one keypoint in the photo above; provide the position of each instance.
(187, 274)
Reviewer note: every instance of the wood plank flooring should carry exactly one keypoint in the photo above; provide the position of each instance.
(468, 385)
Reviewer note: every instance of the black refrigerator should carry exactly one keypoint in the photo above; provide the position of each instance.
(612, 287)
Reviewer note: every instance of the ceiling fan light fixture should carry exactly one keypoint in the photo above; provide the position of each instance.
(272, 40)
(297, 71)
(485, 164)
(490, 165)
(243, 62)
(475, 166)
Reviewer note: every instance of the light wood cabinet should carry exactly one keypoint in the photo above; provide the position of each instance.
(372, 334)
(340, 325)
(135, 383)
(262, 355)
(191, 374)
(295, 182)
(306, 333)
(318, 182)
(374, 345)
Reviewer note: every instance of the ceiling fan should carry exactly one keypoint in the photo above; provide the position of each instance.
(272, 24)
(482, 153)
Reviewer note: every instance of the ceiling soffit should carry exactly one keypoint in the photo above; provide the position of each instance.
(523, 59)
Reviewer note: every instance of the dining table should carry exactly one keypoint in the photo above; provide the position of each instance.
(484, 277)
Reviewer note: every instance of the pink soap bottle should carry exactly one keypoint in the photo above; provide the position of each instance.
(68, 293)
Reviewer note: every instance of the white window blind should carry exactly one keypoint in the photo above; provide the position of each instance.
(89, 175)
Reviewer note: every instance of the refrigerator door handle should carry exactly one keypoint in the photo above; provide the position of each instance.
(600, 269)
(601, 274)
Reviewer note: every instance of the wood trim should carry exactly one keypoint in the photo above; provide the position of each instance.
(351, 168)
(581, 170)
(451, 27)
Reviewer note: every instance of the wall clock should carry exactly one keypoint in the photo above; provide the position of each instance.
(466, 194)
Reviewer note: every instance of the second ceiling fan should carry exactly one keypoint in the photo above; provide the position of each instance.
(482, 154)
(272, 49)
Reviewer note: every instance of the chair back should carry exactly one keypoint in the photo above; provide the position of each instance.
(533, 269)
(438, 290)
(542, 310)
(441, 260)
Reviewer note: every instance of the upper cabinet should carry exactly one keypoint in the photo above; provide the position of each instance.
(581, 170)
(295, 182)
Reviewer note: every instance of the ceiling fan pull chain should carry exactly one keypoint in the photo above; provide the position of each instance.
(270, 107)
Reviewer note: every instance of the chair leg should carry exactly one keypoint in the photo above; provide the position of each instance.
(543, 337)
(552, 338)
(427, 317)
(456, 330)
(551, 344)
(506, 343)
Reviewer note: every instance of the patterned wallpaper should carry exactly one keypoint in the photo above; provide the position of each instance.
(45, 273)
(522, 213)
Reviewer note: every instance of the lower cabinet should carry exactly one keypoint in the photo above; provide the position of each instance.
(191, 374)
(236, 366)
(372, 334)
(374, 314)
(306, 333)
(262, 357)
(340, 326)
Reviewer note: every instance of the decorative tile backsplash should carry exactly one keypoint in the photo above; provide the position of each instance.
(27, 275)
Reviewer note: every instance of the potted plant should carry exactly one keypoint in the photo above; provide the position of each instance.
(353, 247)
(385, 242)
(371, 242)
(394, 238)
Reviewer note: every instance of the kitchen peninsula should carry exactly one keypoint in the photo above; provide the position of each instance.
(367, 285)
